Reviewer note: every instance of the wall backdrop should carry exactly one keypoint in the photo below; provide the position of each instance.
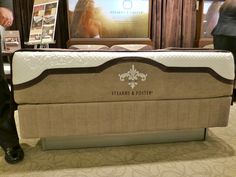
(175, 24)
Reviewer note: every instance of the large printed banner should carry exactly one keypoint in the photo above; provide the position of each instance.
(109, 18)
(43, 21)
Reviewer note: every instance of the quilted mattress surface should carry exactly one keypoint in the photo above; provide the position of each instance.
(28, 65)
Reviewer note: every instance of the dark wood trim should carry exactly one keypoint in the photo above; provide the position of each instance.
(171, 23)
(157, 5)
(189, 23)
(109, 41)
(199, 22)
(170, 49)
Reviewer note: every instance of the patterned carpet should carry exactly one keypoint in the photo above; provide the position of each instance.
(214, 157)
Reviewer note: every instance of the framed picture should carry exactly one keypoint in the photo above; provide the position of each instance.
(43, 21)
(11, 41)
(100, 21)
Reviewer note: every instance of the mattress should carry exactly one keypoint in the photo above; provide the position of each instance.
(91, 76)
(67, 93)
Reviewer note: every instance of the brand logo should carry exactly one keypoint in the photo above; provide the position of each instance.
(127, 4)
(133, 76)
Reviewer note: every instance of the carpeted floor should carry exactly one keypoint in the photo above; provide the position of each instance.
(214, 157)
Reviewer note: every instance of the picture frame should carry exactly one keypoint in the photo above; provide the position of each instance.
(110, 22)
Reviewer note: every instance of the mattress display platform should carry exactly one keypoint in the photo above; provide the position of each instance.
(100, 93)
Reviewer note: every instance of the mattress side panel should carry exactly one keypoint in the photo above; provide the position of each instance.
(127, 81)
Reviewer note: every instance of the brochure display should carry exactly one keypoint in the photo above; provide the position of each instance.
(11, 40)
(43, 23)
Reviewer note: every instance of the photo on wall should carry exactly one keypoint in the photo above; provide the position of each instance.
(109, 19)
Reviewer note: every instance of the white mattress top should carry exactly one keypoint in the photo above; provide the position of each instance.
(28, 65)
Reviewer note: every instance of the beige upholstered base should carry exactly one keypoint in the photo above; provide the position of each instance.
(104, 118)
